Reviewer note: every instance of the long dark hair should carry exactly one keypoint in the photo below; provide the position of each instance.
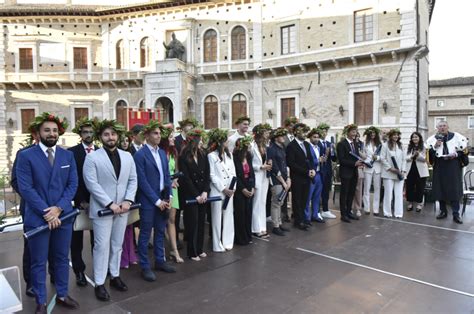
(260, 141)
(220, 149)
(412, 147)
(170, 150)
(241, 152)
(377, 140)
(398, 142)
(192, 148)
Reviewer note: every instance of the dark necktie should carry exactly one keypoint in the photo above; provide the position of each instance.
(88, 149)
(50, 156)
(352, 147)
(445, 146)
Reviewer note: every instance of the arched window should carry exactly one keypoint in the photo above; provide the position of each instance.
(121, 112)
(238, 43)
(239, 106)
(190, 105)
(119, 55)
(210, 46)
(141, 105)
(210, 112)
(164, 108)
(144, 52)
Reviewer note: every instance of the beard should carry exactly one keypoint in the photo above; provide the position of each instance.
(49, 141)
(88, 140)
(111, 144)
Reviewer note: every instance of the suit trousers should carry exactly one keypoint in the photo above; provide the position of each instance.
(194, 217)
(346, 196)
(108, 240)
(368, 179)
(56, 243)
(327, 183)
(415, 186)
(454, 205)
(276, 205)
(300, 191)
(312, 204)
(77, 244)
(152, 218)
(393, 188)
(223, 225)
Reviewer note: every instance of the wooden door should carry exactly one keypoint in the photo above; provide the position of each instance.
(287, 109)
(80, 113)
(210, 115)
(27, 116)
(364, 108)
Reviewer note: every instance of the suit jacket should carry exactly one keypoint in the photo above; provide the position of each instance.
(82, 194)
(326, 167)
(148, 175)
(421, 164)
(43, 185)
(196, 177)
(243, 183)
(179, 143)
(386, 156)
(299, 162)
(347, 167)
(221, 173)
(14, 179)
(104, 186)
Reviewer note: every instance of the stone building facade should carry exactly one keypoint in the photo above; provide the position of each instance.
(362, 61)
(452, 100)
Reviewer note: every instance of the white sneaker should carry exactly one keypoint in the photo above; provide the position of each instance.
(358, 213)
(320, 217)
(328, 215)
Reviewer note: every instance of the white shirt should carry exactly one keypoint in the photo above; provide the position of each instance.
(316, 151)
(156, 155)
(45, 149)
(137, 147)
(86, 147)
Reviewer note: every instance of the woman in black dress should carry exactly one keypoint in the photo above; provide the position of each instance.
(195, 185)
(244, 192)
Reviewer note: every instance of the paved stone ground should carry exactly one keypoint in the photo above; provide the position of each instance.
(417, 264)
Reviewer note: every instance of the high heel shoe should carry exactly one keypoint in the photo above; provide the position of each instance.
(176, 257)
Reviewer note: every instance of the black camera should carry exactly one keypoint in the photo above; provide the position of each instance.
(439, 136)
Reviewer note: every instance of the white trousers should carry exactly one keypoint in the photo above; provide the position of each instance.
(259, 206)
(367, 183)
(108, 239)
(393, 187)
(222, 226)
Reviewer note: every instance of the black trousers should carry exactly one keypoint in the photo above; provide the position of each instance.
(299, 194)
(415, 186)
(348, 188)
(327, 182)
(77, 244)
(194, 217)
(242, 219)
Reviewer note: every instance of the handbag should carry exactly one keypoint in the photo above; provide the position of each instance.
(463, 159)
(133, 216)
(82, 222)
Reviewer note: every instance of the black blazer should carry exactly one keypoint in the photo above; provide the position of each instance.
(347, 167)
(196, 177)
(179, 143)
(132, 149)
(82, 194)
(243, 183)
(299, 163)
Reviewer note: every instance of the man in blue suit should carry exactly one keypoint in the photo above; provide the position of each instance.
(328, 152)
(312, 204)
(154, 194)
(47, 180)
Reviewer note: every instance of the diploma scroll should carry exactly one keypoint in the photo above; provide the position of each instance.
(109, 212)
(42, 228)
(209, 200)
(395, 165)
(227, 198)
(368, 164)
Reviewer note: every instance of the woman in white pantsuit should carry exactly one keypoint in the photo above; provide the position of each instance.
(372, 151)
(261, 167)
(391, 175)
(222, 170)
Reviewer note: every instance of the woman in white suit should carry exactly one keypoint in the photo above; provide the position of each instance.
(417, 171)
(373, 147)
(393, 174)
(222, 170)
(261, 167)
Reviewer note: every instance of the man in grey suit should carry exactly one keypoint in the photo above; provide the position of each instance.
(111, 178)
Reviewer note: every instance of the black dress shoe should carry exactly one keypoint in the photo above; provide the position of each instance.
(318, 220)
(308, 223)
(148, 275)
(118, 284)
(457, 219)
(352, 216)
(81, 279)
(302, 226)
(41, 309)
(101, 293)
(67, 302)
(29, 291)
(442, 215)
(165, 267)
(284, 229)
(278, 232)
(345, 219)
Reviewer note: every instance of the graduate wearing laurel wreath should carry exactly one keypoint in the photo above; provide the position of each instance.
(448, 154)
(222, 171)
(47, 181)
(373, 147)
(111, 178)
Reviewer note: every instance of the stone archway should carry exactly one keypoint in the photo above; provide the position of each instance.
(164, 107)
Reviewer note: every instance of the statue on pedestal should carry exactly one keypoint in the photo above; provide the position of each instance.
(175, 49)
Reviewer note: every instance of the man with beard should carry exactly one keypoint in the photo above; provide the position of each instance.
(348, 165)
(242, 124)
(298, 159)
(111, 178)
(81, 200)
(137, 139)
(154, 194)
(47, 180)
